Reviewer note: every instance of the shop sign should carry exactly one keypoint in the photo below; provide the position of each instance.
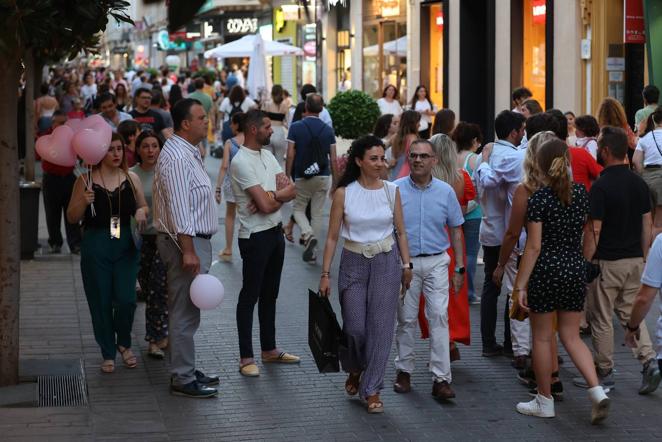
(634, 29)
(539, 11)
(244, 25)
(390, 8)
(615, 63)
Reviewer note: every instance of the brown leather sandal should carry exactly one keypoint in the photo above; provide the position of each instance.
(352, 383)
(129, 359)
(375, 405)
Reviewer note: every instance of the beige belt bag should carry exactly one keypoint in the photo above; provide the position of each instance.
(369, 250)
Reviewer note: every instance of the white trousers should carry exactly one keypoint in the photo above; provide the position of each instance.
(430, 277)
(520, 331)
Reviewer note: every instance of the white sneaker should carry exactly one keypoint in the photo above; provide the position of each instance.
(540, 406)
(601, 404)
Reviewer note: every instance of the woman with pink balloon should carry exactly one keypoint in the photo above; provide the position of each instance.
(105, 201)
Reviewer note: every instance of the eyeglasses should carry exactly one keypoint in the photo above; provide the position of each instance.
(423, 156)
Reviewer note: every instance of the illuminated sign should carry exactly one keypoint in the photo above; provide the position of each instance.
(390, 8)
(539, 10)
(241, 25)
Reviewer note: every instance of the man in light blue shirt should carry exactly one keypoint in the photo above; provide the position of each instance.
(429, 206)
(493, 178)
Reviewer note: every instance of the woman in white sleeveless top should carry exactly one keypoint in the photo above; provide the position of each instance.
(374, 265)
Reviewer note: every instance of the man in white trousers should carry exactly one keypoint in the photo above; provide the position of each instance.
(429, 206)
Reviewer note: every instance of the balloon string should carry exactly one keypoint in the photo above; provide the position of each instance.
(172, 236)
(88, 184)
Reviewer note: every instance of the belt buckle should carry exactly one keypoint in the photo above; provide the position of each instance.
(369, 251)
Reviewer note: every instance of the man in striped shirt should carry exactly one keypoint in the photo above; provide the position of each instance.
(185, 216)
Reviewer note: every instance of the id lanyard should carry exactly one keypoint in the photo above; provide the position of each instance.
(114, 220)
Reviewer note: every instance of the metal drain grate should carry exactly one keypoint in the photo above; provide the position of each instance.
(62, 391)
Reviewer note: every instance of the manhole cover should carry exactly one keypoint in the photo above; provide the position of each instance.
(62, 391)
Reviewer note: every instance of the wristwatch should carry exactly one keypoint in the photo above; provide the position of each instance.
(460, 270)
(632, 329)
(407, 265)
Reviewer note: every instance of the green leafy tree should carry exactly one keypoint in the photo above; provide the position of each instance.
(45, 30)
(354, 114)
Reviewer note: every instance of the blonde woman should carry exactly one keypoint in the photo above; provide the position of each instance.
(458, 305)
(556, 215)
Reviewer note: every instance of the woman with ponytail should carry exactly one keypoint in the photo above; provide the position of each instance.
(367, 213)
(551, 280)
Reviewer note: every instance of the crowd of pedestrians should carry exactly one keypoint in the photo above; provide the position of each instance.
(562, 209)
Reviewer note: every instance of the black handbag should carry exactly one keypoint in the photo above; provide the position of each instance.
(592, 271)
(325, 337)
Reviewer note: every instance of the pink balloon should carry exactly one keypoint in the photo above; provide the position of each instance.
(74, 124)
(206, 292)
(56, 148)
(104, 129)
(92, 121)
(91, 145)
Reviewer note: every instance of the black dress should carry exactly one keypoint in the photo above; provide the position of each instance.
(558, 280)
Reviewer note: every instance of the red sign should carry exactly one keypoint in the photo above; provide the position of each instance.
(539, 11)
(634, 29)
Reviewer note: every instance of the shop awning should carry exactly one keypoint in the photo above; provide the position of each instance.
(394, 47)
(245, 45)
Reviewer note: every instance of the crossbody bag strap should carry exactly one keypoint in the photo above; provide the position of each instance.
(656, 145)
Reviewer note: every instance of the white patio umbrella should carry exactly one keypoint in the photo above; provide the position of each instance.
(245, 45)
(258, 78)
(394, 47)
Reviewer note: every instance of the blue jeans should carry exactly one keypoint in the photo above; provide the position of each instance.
(471, 228)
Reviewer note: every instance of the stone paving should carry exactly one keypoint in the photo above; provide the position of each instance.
(288, 402)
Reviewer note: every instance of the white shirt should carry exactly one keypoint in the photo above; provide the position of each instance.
(183, 194)
(652, 277)
(88, 92)
(589, 145)
(368, 215)
(226, 107)
(392, 108)
(425, 119)
(251, 168)
(651, 146)
(496, 181)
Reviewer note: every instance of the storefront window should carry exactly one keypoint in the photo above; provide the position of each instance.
(534, 47)
(384, 57)
(436, 73)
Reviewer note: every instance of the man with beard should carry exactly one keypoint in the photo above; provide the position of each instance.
(260, 188)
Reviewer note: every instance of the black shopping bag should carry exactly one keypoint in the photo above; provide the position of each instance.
(325, 337)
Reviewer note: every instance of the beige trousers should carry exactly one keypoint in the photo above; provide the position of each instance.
(615, 290)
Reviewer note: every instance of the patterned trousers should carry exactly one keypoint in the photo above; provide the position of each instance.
(369, 290)
(152, 277)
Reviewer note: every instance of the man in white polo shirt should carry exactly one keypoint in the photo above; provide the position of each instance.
(260, 188)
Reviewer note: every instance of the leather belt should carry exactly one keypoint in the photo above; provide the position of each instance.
(203, 235)
(425, 255)
(653, 166)
(370, 250)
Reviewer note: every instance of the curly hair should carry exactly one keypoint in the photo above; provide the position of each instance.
(358, 150)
